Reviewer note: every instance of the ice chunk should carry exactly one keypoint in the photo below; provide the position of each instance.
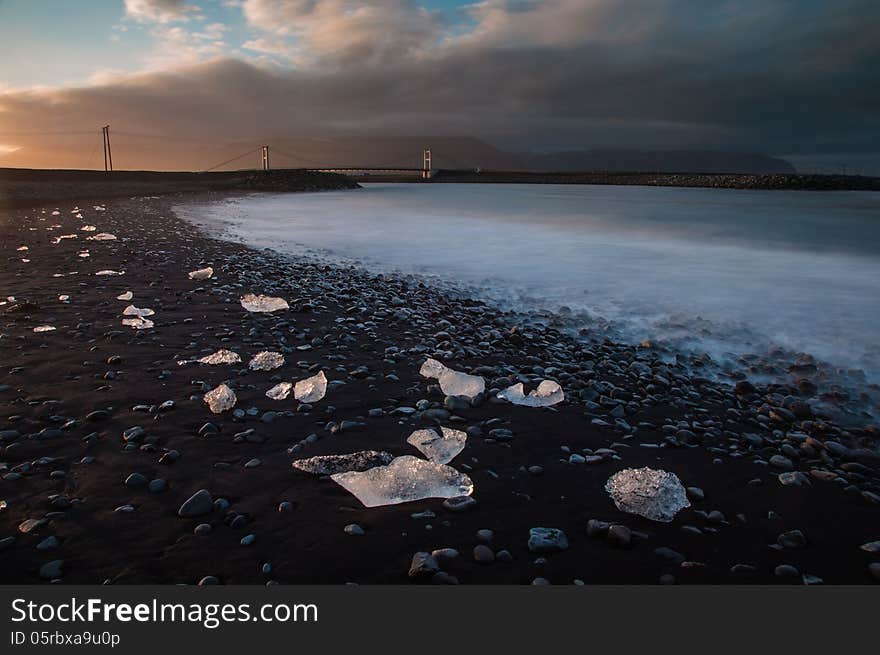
(44, 328)
(102, 236)
(312, 389)
(453, 383)
(548, 393)
(61, 238)
(280, 391)
(63, 297)
(254, 303)
(437, 448)
(88, 228)
(220, 399)
(656, 495)
(332, 464)
(138, 323)
(403, 480)
(22, 248)
(201, 274)
(109, 272)
(432, 369)
(266, 360)
(128, 295)
(131, 310)
(220, 357)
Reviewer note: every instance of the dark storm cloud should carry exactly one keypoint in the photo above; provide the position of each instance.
(795, 78)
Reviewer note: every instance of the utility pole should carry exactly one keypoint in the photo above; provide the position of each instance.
(108, 154)
(265, 158)
(426, 163)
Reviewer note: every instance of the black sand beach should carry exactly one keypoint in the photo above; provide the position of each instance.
(69, 396)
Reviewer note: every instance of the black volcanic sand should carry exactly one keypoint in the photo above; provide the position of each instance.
(371, 333)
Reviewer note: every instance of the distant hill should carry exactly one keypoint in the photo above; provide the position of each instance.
(660, 161)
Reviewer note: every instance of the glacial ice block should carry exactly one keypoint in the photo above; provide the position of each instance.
(263, 304)
(131, 310)
(220, 399)
(201, 274)
(280, 391)
(138, 323)
(362, 460)
(220, 357)
(438, 448)
(655, 494)
(266, 361)
(404, 480)
(453, 383)
(312, 389)
(548, 393)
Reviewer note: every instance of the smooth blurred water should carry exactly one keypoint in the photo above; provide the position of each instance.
(722, 270)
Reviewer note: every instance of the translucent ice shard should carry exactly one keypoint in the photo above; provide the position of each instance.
(548, 393)
(312, 389)
(440, 449)
(656, 495)
(280, 391)
(254, 303)
(220, 399)
(131, 310)
(404, 480)
(220, 357)
(453, 383)
(266, 361)
(432, 369)
(44, 328)
(332, 464)
(138, 323)
(128, 295)
(201, 274)
(102, 236)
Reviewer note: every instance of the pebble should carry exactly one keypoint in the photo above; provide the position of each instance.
(199, 504)
(483, 554)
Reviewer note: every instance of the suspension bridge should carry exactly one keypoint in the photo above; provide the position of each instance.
(263, 157)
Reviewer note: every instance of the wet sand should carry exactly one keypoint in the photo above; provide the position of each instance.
(67, 396)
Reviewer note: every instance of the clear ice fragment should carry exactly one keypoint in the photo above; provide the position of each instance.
(654, 494)
(220, 357)
(220, 399)
(453, 383)
(440, 449)
(131, 310)
(265, 304)
(312, 389)
(403, 480)
(280, 391)
(201, 274)
(266, 360)
(548, 393)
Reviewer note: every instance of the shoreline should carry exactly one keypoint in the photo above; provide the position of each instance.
(624, 408)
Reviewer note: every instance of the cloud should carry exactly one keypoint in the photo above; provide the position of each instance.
(347, 32)
(779, 78)
(158, 11)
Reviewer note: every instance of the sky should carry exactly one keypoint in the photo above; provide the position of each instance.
(790, 78)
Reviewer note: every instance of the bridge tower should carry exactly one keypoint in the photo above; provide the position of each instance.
(426, 163)
(265, 158)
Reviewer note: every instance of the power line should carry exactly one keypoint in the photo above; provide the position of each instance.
(229, 161)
